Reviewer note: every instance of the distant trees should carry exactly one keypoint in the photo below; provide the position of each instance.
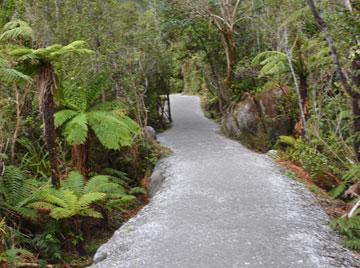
(352, 90)
(223, 15)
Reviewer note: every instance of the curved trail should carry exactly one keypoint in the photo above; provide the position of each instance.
(221, 206)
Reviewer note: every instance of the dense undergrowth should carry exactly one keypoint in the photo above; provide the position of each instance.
(77, 97)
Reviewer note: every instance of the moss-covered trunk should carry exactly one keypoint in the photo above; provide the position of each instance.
(46, 87)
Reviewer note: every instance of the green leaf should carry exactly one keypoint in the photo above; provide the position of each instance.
(339, 190)
(63, 116)
(17, 29)
(76, 130)
(89, 198)
(74, 182)
(111, 132)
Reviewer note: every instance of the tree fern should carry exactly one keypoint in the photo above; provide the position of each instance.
(63, 116)
(111, 132)
(76, 130)
(17, 29)
(9, 74)
(272, 62)
(108, 120)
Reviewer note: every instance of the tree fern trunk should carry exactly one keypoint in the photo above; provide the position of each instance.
(80, 157)
(46, 86)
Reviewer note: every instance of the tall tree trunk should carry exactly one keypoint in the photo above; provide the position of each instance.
(303, 89)
(80, 157)
(46, 86)
(301, 126)
(230, 53)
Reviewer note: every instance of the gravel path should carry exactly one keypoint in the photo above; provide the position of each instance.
(222, 206)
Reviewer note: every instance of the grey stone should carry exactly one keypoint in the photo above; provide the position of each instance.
(254, 118)
(157, 178)
(150, 133)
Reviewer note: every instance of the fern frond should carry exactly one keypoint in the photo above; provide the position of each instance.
(56, 199)
(59, 213)
(11, 75)
(76, 130)
(89, 198)
(272, 62)
(44, 53)
(74, 96)
(120, 202)
(74, 48)
(89, 212)
(74, 182)
(24, 54)
(12, 185)
(63, 116)
(17, 29)
(102, 184)
(111, 132)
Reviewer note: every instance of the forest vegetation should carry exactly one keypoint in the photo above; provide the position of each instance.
(81, 81)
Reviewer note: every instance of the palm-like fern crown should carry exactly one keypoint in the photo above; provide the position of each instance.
(108, 120)
(17, 30)
(51, 53)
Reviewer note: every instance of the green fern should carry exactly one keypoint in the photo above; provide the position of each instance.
(9, 74)
(103, 184)
(350, 177)
(74, 182)
(76, 130)
(75, 197)
(350, 228)
(66, 204)
(16, 192)
(17, 29)
(49, 54)
(108, 121)
(272, 62)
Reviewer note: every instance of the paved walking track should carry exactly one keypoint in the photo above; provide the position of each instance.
(222, 206)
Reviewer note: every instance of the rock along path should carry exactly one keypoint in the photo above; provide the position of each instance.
(222, 205)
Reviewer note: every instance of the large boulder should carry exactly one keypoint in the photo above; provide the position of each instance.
(242, 117)
(258, 120)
